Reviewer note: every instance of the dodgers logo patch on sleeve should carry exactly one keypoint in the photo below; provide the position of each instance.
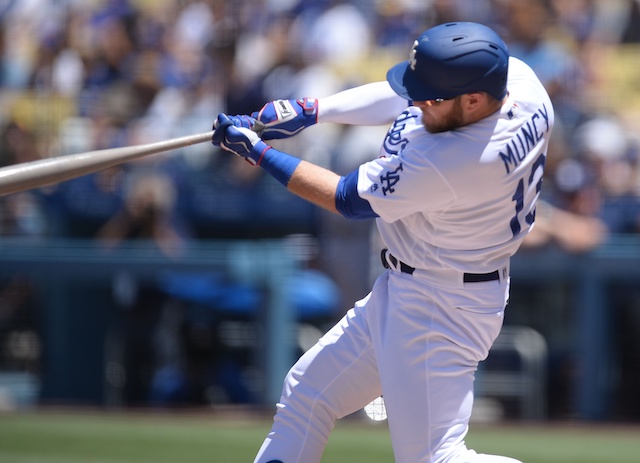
(389, 180)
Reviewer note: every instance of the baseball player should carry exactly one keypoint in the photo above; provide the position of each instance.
(453, 193)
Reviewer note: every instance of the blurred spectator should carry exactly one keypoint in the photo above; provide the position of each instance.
(19, 325)
(242, 204)
(78, 208)
(573, 232)
(605, 146)
(148, 213)
(397, 20)
(20, 214)
(631, 30)
(532, 37)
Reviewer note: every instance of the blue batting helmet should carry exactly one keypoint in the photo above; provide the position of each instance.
(452, 59)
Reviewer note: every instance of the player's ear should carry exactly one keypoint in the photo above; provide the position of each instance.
(476, 106)
(473, 101)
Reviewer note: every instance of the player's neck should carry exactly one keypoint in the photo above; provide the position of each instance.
(476, 111)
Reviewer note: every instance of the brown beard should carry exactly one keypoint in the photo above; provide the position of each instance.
(451, 121)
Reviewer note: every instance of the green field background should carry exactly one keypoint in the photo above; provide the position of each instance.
(91, 437)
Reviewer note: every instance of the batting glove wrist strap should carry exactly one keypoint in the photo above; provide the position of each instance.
(285, 118)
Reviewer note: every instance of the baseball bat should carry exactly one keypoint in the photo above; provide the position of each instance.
(43, 172)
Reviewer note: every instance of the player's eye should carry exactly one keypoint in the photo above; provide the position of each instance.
(437, 101)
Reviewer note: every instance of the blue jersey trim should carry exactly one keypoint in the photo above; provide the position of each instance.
(348, 201)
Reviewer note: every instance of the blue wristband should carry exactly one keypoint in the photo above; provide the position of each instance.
(280, 165)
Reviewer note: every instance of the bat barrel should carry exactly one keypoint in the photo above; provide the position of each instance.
(43, 172)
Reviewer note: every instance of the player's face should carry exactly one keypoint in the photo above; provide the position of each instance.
(441, 116)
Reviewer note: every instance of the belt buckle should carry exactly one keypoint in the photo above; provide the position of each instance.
(389, 261)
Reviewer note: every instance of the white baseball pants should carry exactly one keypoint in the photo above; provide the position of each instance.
(417, 344)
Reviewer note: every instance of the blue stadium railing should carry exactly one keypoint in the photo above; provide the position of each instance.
(52, 264)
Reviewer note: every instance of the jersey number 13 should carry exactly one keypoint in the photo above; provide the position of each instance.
(537, 170)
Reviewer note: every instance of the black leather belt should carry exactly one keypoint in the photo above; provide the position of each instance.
(480, 277)
(467, 277)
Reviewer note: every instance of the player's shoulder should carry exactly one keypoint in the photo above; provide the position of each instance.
(523, 83)
(520, 73)
(518, 68)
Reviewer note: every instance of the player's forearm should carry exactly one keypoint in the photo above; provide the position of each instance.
(330, 191)
(370, 104)
(315, 184)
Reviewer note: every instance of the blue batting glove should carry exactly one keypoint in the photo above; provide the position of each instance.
(240, 120)
(220, 126)
(285, 118)
(239, 140)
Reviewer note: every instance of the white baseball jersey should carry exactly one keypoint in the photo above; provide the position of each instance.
(463, 198)
(449, 203)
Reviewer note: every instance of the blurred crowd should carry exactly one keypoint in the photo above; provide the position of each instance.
(82, 75)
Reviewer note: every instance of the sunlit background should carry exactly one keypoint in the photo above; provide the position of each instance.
(189, 279)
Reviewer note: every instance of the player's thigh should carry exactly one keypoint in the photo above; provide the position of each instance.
(339, 372)
(428, 353)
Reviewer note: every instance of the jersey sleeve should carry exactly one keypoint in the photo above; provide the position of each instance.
(370, 104)
(401, 185)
